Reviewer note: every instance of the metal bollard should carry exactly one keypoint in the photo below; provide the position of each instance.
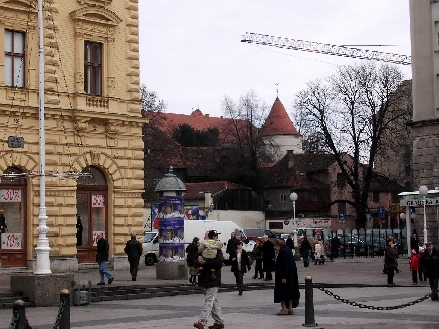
(19, 320)
(63, 319)
(309, 304)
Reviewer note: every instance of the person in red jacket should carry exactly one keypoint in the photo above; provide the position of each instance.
(415, 267)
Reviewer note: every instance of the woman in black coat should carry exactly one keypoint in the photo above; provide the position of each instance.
(286, 282)
(390, 261)
(191, 259)
(240, 265)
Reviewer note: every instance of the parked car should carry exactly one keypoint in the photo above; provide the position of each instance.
(375, 245)
(352, 246)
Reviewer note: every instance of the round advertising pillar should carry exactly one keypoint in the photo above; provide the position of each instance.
(171, 264)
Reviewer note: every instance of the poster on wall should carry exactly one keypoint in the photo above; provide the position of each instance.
(171, 229)
(155, 216)
(95, 239)
(192, 212)
(11, 240)
(10, 195)
(98, 200)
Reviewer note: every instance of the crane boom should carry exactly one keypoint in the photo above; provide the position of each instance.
(322, 48)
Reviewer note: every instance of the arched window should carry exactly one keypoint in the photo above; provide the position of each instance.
(91, 205)
(13, 218)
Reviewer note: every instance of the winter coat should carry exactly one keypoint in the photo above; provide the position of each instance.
(268, 256)
(390, 258)
(232, 245)
(305, 246)
(102, 250)
(257, 251)
(192, 254)
(245, 263)
(285, 269)
(430, 264)
(415, 262)
(133, 249)
(205, 279)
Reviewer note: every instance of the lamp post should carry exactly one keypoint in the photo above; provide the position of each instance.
(293, 197)
(423, 190)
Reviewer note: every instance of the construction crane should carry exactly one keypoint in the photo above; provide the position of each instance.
(323, 48)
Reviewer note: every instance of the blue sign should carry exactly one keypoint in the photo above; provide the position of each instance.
(381, 212)
(341, 217)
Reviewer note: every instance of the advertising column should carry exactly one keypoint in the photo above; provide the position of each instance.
(171, 229)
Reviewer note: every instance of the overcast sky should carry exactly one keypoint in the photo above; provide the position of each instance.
(191, 52)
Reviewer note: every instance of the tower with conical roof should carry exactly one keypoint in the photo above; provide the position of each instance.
(278, 132)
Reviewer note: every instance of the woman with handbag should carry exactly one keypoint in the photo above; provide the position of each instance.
(240, 265)
(286, 282)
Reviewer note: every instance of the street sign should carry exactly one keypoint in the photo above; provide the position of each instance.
(15, 142)
(341, 217)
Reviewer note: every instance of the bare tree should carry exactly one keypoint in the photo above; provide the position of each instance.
(352, 111)
(151, 105)
(247, 117)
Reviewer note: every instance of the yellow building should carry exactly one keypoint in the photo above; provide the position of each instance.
(92, 125)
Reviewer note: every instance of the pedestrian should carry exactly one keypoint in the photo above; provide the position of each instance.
(240, 265)
(232, 245)
(79, 229)
(390, 261)
(102, 259)
(268, 258)
(210, 286)
(305, 249)
(430, 268)
(3, 226)
(414, 242)
(335, 246)
(319, 252)
(257, 253)
(290, 242)
(192, 259)
(415, 267)
(312, 243)
(286, 282)
(208, 249)
(133, 249)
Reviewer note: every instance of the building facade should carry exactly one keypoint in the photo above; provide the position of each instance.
(424, 27)
(93, 125)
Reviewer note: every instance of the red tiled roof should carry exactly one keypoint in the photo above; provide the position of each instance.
(199, 121)
(278, 122)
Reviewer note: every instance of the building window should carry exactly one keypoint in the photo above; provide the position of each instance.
(93, 68)
(341, 180)
(14, 58)
(283, 198)
(342, 207)
(376, 196)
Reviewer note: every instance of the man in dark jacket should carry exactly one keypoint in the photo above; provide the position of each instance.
(210, 284)
(430, 268)
(102, 259)
(232, 244)
(268, 257)
(305, 248)
(133, 249)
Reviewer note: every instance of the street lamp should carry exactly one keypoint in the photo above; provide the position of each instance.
(423, 190)
(293, 197)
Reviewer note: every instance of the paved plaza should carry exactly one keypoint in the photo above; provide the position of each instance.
(255, 309)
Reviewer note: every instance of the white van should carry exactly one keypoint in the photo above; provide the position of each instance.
(197, 228)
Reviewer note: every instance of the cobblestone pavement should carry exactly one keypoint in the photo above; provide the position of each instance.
(255, 309)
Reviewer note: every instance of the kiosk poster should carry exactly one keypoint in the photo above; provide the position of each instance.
(171, 229)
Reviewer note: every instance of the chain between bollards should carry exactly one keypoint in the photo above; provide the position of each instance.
(309, 304)
(63, 319)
